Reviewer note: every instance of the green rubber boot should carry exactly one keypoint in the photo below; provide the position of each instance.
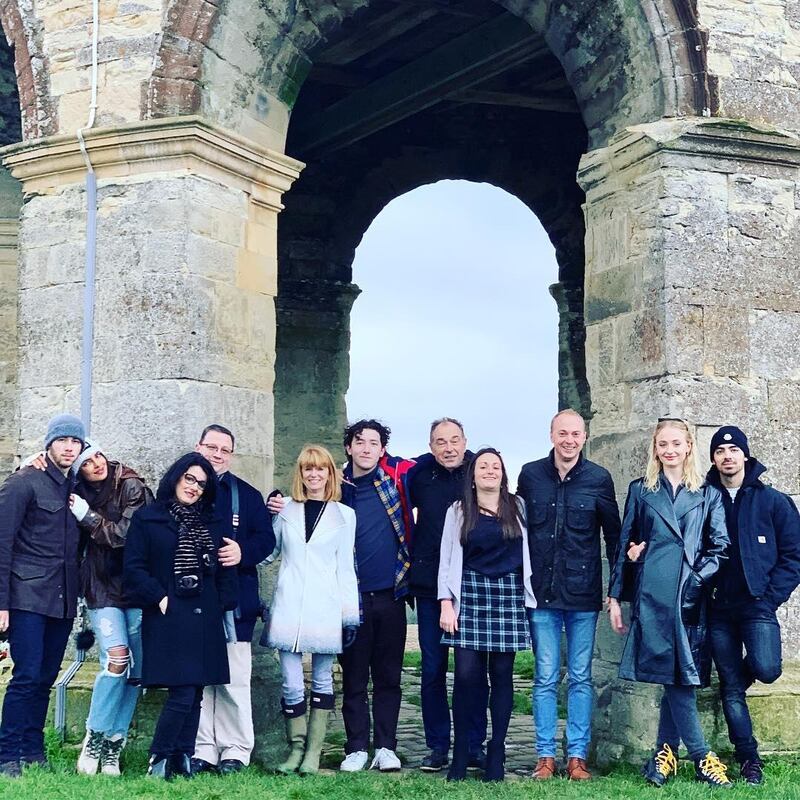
(295, 735)
(321, 706)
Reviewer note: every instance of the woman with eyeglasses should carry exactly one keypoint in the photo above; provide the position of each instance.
(672, 541)
(172, 571)
(484, 588)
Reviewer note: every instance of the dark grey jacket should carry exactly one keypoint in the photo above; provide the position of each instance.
(564, 522)
(686, 542)
(38, 543)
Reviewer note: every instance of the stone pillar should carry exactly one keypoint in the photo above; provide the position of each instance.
(186, 278)
(313, 368)
(693, 310)
(10, 202)
(184, 310)
(573, 388)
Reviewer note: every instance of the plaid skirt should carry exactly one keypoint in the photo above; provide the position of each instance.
(492, 615)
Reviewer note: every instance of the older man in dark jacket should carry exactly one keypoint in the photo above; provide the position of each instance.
(762, 571)
(568, 500)
(38, 588)
(435, 483)
(225, 736)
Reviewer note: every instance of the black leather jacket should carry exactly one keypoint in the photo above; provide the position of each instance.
(564, 521)
(38, 543)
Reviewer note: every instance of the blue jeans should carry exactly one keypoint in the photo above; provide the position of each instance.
(678, 719)
(433, 689)
(37, 647)
(746, 646)
(115, 694)
(546, 627)
(294, 688)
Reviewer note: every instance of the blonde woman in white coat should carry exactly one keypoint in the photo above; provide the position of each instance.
(316, 605)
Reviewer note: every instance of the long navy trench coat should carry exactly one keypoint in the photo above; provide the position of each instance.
(686, 540)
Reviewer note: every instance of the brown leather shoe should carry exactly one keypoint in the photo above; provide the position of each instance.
(545, 769)
(577, 771)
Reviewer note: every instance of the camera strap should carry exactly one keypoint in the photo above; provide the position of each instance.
(234, 504)
(232, 616)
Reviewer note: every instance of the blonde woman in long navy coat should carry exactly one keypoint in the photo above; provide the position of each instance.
(672, 542)
(316, 600)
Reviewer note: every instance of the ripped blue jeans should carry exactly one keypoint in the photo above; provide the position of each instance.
(115, 693)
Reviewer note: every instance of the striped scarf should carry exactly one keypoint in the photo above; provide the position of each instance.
(194, 553)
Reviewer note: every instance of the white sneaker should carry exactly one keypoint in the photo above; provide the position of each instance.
(91, 752)
(109, 761)
(385, 760)
(354, 761)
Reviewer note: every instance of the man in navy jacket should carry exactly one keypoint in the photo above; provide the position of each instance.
(568, 501)
(225, 736)
(762, 571)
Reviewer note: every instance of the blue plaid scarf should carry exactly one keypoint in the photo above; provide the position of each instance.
(390, 497)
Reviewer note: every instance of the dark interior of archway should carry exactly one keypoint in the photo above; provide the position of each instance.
(10, 117)
(403, 94)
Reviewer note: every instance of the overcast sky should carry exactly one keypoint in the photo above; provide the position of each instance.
(455, 319)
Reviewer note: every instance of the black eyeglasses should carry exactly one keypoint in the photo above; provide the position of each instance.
(212, 448)
(192, 481)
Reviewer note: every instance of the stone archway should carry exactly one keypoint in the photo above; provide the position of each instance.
(690, 302)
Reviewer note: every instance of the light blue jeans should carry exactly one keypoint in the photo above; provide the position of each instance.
(115, 695)
(546, 627)
(294, 688)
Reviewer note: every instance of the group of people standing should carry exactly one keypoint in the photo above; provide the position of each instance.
(172, 588)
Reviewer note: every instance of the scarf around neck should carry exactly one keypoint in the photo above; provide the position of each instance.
(195, 551)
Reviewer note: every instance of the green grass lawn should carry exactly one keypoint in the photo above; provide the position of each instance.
(783, 783)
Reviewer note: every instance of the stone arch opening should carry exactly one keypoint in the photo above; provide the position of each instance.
(499, 111)
(459, 273)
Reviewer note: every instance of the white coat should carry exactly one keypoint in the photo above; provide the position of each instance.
(317, 590)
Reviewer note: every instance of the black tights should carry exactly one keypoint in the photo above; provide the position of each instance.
(470, 675)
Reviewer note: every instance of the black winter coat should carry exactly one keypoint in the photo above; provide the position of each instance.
(765, 525)
(186, 646)
(432, 489)
(686, 541)
(564, 521)
(257, 541)
(39, 540)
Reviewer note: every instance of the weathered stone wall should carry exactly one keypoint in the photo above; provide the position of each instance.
(10, 202)
(691, 311)
(186, 276)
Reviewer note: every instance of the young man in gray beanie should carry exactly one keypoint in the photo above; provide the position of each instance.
(761, 571)
(38, 588)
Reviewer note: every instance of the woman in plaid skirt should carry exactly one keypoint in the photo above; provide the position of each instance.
(484, 587)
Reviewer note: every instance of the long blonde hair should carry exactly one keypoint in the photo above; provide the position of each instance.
(314, 455)
(692, 477)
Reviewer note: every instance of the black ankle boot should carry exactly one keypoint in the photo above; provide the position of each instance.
(159, 767)
(459, 763)
(495, 762)
(181, 765)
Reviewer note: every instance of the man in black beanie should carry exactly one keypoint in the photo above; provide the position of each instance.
(762, 571)
(38, 588)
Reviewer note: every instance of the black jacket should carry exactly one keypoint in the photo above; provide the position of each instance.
(765, 525)
(257, 540)
(686, 541)
(432, 489)
(38, 543)
(564, 521)
(186, 646)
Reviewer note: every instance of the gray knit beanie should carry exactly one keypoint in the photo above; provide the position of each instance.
(64, 425)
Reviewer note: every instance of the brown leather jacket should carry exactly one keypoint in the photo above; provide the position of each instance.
(105, 527)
